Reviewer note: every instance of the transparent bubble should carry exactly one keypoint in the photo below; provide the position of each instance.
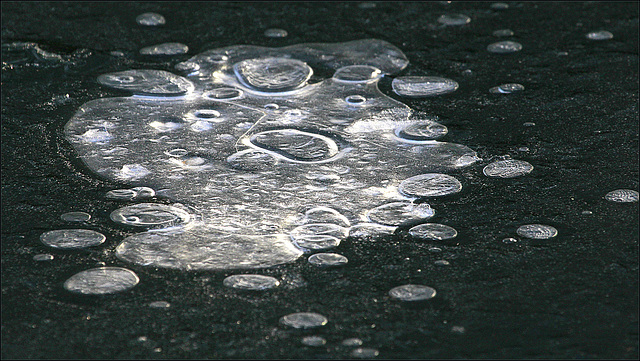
(102, 280)
(503, 33)
(509, 240)
(351, 342)
(150, 215)
(412, 292)
(424, 130)
(159, 304)
(454, 19)
(509, 168)
(430, 185)
(251, 282)
(224, 93)
(499, 6)
(150, 19)
(599, 35)
(165, 49)
(423, 86)
(314, 341)
(304, 320)
(622, 196)
(355, 99)
(72, 238)
(433, 232)
(400, 213)
(318, 236)
(441, 262)
(75, 217)
(537, 231)
(507, 88)
(362, 352)
(43, 257)
(273, 74)
(147, 82)
(275, 33)
(328, 260)
(504, 47)
(357, 74)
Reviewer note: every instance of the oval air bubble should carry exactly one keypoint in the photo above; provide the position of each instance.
(507, 88)
(43, 257)
(165, 49)
(150, 215)
(424, 130)
(504, 47)
(318, 236)
(251, 282)
(355, 99)
(296, 145)
(423, 86)
(150, 19)
(509, 168)
(537, 231)
(72, 238)
(400, 213)
(599, 35)
(271, 106)
(147, 82)
(503, 33)
(102, 280)
(433, 232)
(622, 196)
(412, 293)
(313, 341)
(122, 194)
(351, 342)
(304, 320)
(499, 6)
(273, 74)
(454, 19)
(357, 74)
(365, 352)
(275, 33)
(430, 185)
(159, 304)
(223, 94)
(75, 217)
(328, 260)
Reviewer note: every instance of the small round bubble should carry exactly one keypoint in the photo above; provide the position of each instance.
(412, 292)
(251, 282)
(362, 352)
(150, 19)
(328, 260)
(102, 280)
(422, 131)
(430, 185)
(72, 238)
(537, 231)
(223, 93)
(454, 19)
(423, 86)
(75, 217)
(400, 213)
(599, 35)
(313, 341)
(275, 33)
(159, 304)
(43, 257)
(622, 196)
(150, 215)
(433, 232)
(355, 99)
(509, 168)
(503, 33)
(504, 47)
(507, 88)
(165, 49)
(304, 320)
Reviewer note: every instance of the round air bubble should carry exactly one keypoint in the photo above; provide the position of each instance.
(159, 304)
(509, 168)
(599, 35)
(271, 106)
(273, 74)
(442, 263)
(207, 114)
(150, 19)
(251, 282)
(504, 47)
(454, 19)
(357, 74)
(499, 6)
(318, 236)
(72, 238)
(509, 240)
(147, 82)
(122, 194)
(275, 33)
(102, 280)
(503, 33)
(425, 130)
(304, 320)
(351, 342)
(223, 94)
(165, 49)
(423, 86)
(313, 341)
(430, 185)
(622, 196)
(75, 217)
(355, 99)
(150, 215)
(364, 352)
(433, 232)
(537, 231)
(507, 88)
(144, 192)
(412, 293)
(400, 213)
(328, 260)
(296, 145)
(43, 257)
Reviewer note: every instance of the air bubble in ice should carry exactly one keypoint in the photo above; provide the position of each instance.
(504, 47)
(503, 33)
(355, 99)
(507, 88)
(123, 194)
(622, 196)
(433, 232)
(599, 35)
(147, 82)
(509, 168)
(509, 240)
(150, 19)
(537, 231)
(364, 352)
(72, 238)
(223, 94)
(499, 6)
(351, 342)
(251, 282)
(273, 74)
(133, 172)
(318, 236)
(424, 130)
(441, 262)
(275, 33)
(423, 86)
(165, 49)
(412, 292)
(159, 304)
(323, 214)
(357, 74)
(313, 341)
(102, 280)
(430, 185)
(454, 19)
(304, 320)
(328, 260)
(400, 213)
(43, 257)
(151, 215)
(75, 217)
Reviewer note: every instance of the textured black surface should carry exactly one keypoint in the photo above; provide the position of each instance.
(575, 296)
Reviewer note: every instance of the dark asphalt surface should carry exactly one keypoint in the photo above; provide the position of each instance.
(575, 296)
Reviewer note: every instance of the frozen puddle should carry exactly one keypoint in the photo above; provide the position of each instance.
(261, 164)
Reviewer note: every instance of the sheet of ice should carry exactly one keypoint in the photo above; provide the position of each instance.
(254, 150)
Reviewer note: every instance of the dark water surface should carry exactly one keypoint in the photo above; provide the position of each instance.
(574, 296)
